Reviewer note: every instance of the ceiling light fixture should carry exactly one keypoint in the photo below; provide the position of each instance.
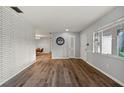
(66, 29)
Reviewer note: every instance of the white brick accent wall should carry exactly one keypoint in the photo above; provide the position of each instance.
(17, 46)
(0, 46)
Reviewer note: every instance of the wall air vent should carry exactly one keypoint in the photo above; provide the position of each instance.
(17, 9)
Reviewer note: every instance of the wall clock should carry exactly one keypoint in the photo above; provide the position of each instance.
(60, 41)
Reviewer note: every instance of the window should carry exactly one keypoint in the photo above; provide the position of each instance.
(120, 41)
(106, 43)
(109, 40)
(97, 41)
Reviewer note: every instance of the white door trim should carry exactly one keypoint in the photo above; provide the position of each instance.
(71, 36)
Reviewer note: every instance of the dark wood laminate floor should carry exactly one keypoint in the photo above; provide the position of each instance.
(47, 72)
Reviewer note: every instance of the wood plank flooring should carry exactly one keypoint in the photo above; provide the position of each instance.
(47, 72)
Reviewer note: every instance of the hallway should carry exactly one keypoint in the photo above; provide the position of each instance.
(87, 47)
(47, 72)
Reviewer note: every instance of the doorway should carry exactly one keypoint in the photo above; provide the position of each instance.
(71, 46)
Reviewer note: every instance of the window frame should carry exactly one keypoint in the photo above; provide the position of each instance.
(116, 24)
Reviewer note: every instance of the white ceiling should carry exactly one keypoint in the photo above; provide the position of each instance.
(58, 18)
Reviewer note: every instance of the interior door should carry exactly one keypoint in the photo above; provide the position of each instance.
(84, 47)
(71, 46)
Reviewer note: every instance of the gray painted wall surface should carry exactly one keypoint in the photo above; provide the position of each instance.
(109, 64)
(61, 51)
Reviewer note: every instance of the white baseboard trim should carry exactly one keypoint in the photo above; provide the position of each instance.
(76, 57)
(113, 78)
(59, 58)
(65, 57)
(83, 59)
(17, 73)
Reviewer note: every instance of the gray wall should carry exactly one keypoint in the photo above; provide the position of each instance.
(61, 51)
(111, 65)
